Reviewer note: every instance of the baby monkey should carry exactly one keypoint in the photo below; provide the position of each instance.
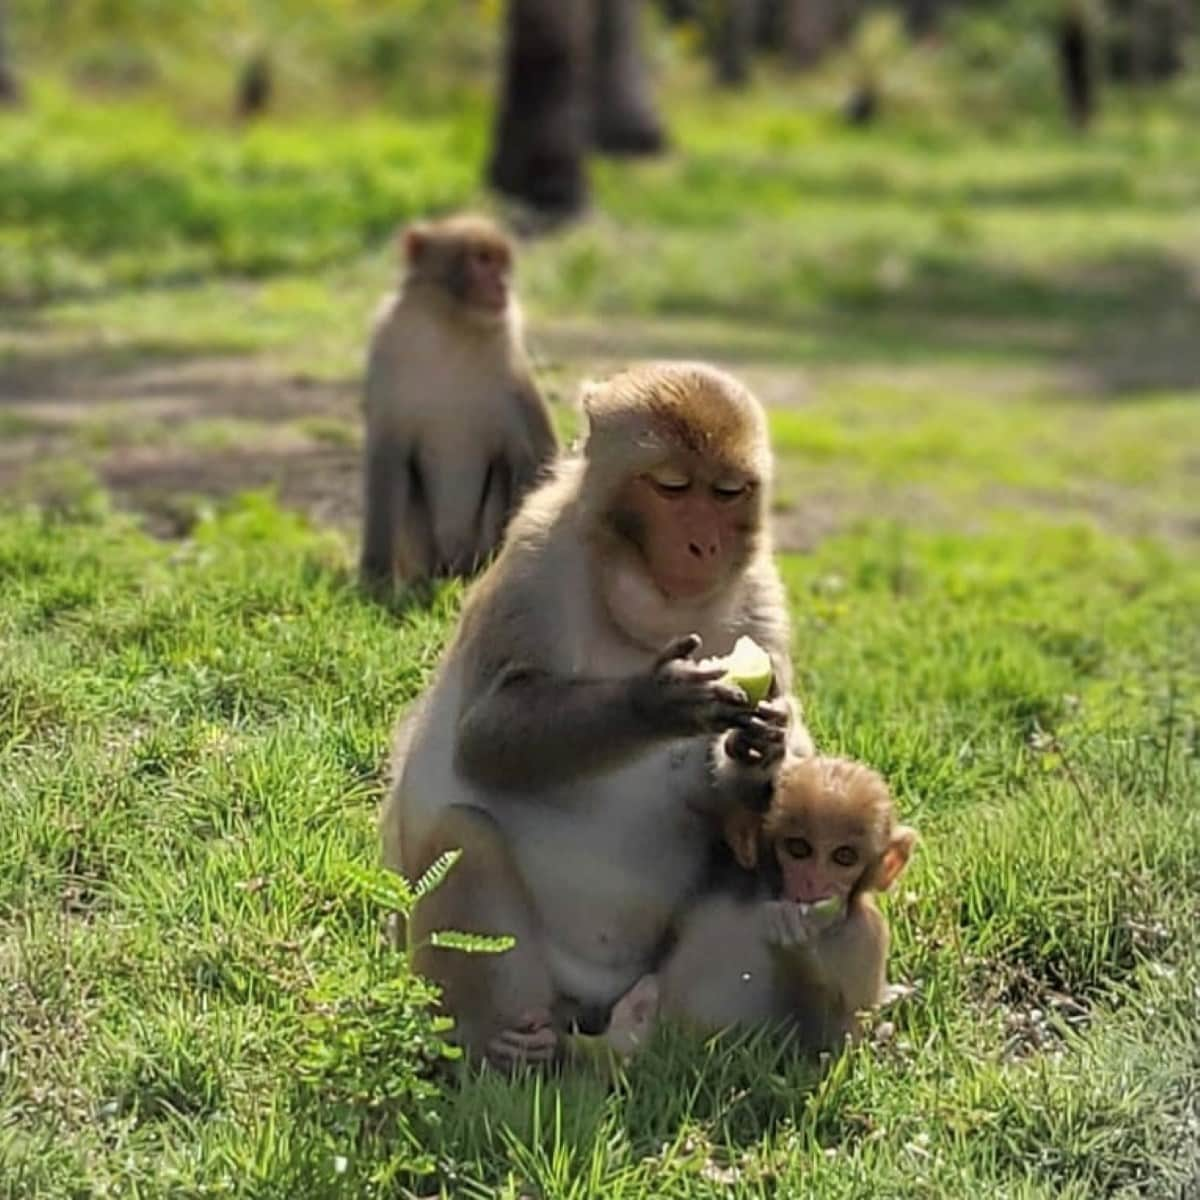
(799, 941)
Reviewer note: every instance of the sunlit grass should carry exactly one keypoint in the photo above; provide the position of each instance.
(192, 742)
(981, 360)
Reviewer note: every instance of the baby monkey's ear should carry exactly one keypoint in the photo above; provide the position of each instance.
(413, 242)
(895, 858)
(741, 828)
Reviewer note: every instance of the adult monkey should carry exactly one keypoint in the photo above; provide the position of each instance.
(569, 744)
(456, 429)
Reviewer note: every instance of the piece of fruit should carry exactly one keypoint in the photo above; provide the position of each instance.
(748, 666)
(828, 907)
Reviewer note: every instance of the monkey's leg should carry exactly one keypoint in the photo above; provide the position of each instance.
(377, 555)
(453, 492)
(494, 511)
(416, 549)
(501, 1003)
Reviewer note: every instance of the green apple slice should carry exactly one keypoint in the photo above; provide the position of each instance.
(749, 667)
(829, 907)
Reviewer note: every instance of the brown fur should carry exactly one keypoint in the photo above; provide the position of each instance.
(589, 825)
(457, 432)
(727, 969)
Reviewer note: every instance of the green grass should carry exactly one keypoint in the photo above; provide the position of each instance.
(191, 747)
(977, 339)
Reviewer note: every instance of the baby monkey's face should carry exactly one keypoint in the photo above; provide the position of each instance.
(819, 859)
(830, 831)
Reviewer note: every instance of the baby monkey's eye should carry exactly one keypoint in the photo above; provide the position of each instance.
(797, 848)
(845, 856)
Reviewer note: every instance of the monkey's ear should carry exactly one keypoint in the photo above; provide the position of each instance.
(413, 242)
(589, 389)
(895, 857)
(740, 828)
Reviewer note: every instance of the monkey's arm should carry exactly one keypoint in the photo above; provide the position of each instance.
(532, 730)
(528, 728)
(847, 961)
(852, 957)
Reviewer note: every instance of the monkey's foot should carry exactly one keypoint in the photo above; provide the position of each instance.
(533, 1040)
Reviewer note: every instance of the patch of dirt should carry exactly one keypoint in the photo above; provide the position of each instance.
(320, 481)
(167, 428)
(73, 388)
(139, 453)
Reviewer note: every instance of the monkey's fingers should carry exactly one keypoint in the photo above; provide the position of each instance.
(774, 928)
(773, 712)
(683, 647)
(731, 694)
(797, 925)
(512, 1047)
(690, 674)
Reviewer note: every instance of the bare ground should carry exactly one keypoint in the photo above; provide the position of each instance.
(167, 431)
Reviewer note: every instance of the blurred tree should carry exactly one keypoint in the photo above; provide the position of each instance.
(678, 11)
(1147, 37)
(623, 117)
(538, 140)
(1075, 42)
(254, 86)
(573, 76)
(732, 26)
(10, 91)
(921, 17)
(808, 29)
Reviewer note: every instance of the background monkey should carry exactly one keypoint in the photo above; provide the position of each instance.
(569, 740)
(765, 955)
(456, 431)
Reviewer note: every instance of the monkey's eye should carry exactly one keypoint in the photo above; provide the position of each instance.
(845, 856)
(669, 481)
(797, 848)
(730, 489)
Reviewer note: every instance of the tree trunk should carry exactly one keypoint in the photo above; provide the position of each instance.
(1146, 39)
(921, 17)
(541, 123)
(624, 120)
(809, 29)
(768, 24)
(732, 30)
(678, 11)
(254, 86)
(1075, 43)
(10, 90)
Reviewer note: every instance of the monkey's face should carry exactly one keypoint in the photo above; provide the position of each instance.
(690, 521)
(478, 275)
(820, 860)
(829, 831)
(467, 260)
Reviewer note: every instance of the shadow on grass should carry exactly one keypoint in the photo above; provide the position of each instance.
(1117, 326)
(705, 194)
(683, 1100)
(213, 379)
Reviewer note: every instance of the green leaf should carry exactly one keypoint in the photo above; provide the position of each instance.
(437, 871)
(384, 887)
(472, 943)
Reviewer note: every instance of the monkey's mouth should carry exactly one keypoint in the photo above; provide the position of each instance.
(687, 588)
(494, 300)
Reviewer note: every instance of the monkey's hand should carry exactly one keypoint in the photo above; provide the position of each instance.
(790, 927)
(761, 743)
(678, 697)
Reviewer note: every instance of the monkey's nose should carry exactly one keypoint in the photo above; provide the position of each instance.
(699, 551)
